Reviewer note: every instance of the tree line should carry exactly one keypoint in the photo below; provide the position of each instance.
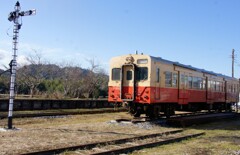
(57, 81)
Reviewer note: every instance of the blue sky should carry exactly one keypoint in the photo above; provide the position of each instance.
(201, 33)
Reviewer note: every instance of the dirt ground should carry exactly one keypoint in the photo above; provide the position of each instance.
(34, 134)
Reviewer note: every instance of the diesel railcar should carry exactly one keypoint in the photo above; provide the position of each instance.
(152, 86)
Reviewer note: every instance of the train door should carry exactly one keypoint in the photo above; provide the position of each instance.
(227, 95)
(157, 84)
(128, 82)
(183, 89)
(209, 90)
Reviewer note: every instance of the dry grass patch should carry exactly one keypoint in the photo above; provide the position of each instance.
(48, 133)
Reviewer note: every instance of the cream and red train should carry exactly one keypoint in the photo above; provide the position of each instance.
(150, 85)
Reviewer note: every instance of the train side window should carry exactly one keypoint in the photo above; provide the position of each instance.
(204, 84)
(229, 88)
(186, 81)
(220, 86)
(214, 85)
(116, 74)
(208, 84)
(129, 75)
(224, 88)
(141, 73)
(168, 79)
(174, 80)
(182, 80)
(217, 86)
(157, 75)
(190, 82)
(200, 83)
(195, 82)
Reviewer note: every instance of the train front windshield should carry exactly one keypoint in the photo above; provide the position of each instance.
(141, 74)
(116, 74)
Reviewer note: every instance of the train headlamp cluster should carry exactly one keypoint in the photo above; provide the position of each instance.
(129, 60)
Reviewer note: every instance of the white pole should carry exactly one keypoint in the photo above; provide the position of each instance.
(13, 63)
(14, 16)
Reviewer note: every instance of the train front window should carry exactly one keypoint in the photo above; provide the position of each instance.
(141, 73)
(116, 74)
(129, 75)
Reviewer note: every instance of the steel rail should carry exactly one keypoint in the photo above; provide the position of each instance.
(147, 145)
(65, 113)
(92, 145)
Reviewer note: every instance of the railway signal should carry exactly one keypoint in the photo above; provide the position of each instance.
(14, 17)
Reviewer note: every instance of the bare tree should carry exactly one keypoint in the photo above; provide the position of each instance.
(33, 74)
(68, 80)
(71, 80)
(95, 79)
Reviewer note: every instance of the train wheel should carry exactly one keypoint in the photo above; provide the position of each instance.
(150, 112)
(153, 112)
(137, 114)
(135, 111)
(169, 111)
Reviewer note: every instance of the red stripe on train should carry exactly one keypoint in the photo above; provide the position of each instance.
(153, 95)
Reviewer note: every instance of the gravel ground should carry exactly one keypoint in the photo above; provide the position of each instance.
(35, 134)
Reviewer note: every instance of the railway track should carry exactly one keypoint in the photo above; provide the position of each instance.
(201, 119)
(122, 145)
(52, 113)
(184, 120)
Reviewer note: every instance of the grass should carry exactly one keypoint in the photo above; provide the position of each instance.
(222, 138)
(46, 133)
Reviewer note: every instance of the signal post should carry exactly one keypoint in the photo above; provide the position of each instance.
(14, 17)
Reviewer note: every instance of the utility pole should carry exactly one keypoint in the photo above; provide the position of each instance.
(233, 57)
(14, 17)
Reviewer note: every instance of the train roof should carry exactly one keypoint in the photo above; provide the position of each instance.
(191, 67)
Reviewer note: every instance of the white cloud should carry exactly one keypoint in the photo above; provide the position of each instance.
(22, 60)
(5, 58)
(53, 55)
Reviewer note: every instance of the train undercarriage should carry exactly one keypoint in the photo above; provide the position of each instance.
(168, 109)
